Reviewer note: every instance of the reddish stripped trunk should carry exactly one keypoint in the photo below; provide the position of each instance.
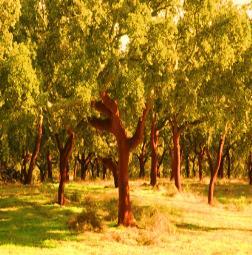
(35, 153)
(214, 173)
(154, 157)
(113, 124)
(113, 167)
(64, 156)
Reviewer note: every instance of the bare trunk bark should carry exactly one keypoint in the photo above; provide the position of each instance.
(113, 124)
(125, 216)
(35, 153)
(64, 156)
(215, 172)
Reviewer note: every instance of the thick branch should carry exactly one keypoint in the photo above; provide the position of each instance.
(68, 146)
(190, 123)
(102, 125)
(110, 103)
(59, 145)
(100, 107)
(139, 133)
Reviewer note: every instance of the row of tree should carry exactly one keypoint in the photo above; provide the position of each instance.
(184, 67)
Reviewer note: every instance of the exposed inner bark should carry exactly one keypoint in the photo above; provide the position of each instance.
(35, 152)
(113, 124)
(214, 172)
(154, 156)
(64, 157)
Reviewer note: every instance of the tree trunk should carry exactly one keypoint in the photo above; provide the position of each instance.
(187, 164)
(215, 172)
(200, 159)
(176, 159)
(193, 169)
(64, 156)
(104, 170)
(25, 160)
(113, 167)
(75, 168)
(229, 165)
(250, 168)
(35, 153)
(221, 170)
(113, 124)
(49, 165)
(141, 164)
(125, 216)
(67, 171)
(154, 157)
(84, 162)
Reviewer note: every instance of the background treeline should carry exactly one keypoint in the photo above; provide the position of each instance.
(174, 76)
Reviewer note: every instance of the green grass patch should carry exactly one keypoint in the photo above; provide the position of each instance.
(167, 222)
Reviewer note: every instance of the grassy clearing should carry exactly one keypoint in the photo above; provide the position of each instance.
(168, 223)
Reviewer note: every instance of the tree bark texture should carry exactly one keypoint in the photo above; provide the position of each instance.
(113, 124)
(64, 157)
(215, 170)
(35, 152)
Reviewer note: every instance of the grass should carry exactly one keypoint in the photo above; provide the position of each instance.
(168, 223)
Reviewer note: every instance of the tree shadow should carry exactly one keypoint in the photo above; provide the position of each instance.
(225, 191)
(29, 224)
(194, 227)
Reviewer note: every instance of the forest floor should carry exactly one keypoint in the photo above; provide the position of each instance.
(168, 223)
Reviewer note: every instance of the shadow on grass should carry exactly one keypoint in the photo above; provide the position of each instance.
(29, 224)
(194, 227)
(225, 191)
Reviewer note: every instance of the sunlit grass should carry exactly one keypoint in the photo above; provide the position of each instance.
(31, 222)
